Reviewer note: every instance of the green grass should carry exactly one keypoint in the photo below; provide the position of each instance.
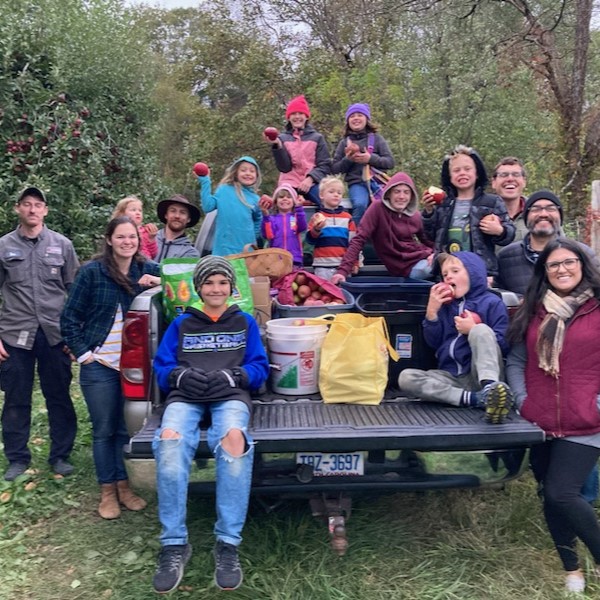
(463, 545)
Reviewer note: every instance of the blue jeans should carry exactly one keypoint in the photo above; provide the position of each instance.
(420, 270)
(313, 194)
(174, 460)
(101, 388)
(359, 196)
(16, 380)
(591, 487)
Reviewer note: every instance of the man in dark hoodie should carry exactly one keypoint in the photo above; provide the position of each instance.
(466, 324)
(396, 229)
(207, 362)
(468, 219)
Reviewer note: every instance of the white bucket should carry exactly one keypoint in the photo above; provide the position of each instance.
(294, 328)
(295, 362)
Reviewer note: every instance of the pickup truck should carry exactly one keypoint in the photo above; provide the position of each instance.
(324, 452)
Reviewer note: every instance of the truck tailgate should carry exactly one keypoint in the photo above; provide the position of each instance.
(309, 425)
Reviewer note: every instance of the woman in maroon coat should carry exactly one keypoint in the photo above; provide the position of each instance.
(554, 372)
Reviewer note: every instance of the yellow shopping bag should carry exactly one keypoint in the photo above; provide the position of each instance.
(354, 360)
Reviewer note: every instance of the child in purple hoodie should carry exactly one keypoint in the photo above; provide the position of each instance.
(283, 229)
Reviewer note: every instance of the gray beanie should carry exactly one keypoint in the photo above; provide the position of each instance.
(212, 265)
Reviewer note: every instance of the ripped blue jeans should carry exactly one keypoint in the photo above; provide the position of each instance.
(174, 460)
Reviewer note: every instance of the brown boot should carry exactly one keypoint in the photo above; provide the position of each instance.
(109, 504)
(127, 498)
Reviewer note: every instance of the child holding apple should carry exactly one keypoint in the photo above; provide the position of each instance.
(300, 152)
(283, 229)
(395, 227)
(467, 218)
(236, 200)
(131, 206)
(330, 229)
(361, 146)
(466, 323)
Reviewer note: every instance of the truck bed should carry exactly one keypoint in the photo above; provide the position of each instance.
(307, 424)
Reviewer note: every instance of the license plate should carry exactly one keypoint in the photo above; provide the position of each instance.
(333, 463)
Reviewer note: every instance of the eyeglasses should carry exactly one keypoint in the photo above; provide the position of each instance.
(513, 174)
(568, 263)
(550, 208)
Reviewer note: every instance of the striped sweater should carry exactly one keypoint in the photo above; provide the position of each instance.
(332, 241)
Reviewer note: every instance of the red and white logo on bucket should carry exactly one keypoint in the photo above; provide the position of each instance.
(307, 367)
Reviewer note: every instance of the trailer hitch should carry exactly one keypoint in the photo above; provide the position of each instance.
(336, 511)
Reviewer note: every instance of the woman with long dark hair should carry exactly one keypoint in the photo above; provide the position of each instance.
(92, 323)
(554, 372)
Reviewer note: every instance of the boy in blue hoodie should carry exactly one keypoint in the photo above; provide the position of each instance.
(207, 362)
(466, 323)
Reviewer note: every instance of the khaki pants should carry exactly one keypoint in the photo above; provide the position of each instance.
(441, 386)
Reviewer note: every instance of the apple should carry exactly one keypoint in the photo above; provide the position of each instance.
(304, 291)
(310, 301)
(297, 299)
(265, 202)
(316, 302)
(437, 193)
(316, 295)
(313, 285)
(449, 290)
(294, 286)
(317, 219)
(201, 169)
(468, 313)
(298, 322)
(301, 279)
(326, 298)
(272, 133)
(351, 149)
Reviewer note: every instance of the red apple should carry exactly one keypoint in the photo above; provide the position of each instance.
(449, 290)
(201, 169)
(301, 279)
(316, 295)
(304, 291)
(469, 313)
(265, 202)
(437, 193)
(272, 133)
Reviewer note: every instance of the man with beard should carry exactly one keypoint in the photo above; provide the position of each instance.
(543, 215)
(177, 213)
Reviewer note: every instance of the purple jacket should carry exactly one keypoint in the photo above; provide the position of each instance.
(283, 231)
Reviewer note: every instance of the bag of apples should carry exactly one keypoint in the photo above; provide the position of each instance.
(304, 289)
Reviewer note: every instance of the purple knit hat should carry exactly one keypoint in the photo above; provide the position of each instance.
(363, 109)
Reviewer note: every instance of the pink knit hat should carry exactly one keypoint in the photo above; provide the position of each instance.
(297, 104)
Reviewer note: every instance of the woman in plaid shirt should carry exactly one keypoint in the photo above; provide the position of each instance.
(92, 323)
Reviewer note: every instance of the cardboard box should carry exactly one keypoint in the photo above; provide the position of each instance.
(261, 295)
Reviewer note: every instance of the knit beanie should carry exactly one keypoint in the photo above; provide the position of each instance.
(288, 188)
(542, 195)
(212, 265)
(297, 104)
(363, 109)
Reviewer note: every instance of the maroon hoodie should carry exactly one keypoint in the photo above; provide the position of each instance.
(398, 237)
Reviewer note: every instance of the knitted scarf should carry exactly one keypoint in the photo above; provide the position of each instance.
(551, 335)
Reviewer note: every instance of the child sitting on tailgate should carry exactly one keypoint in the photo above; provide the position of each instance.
(466, 323)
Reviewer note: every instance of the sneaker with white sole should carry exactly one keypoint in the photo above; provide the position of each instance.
(575, 583)
(497, 399)
(228, 570)
(170, 568)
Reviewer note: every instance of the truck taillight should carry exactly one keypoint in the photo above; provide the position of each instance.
(135, 358)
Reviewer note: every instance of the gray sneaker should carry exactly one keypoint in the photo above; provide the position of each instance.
(14, 470)
(228, 570)
(170, 568)
(62, 467)
(497, 399)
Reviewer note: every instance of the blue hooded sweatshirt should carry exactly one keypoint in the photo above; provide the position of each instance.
(238, 214)
(452, 348)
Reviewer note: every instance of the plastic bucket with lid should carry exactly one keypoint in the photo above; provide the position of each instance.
(295, 356)
(296, 328)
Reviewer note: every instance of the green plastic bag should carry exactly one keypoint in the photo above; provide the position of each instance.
(176, 276)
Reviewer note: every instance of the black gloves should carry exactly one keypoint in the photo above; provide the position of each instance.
(221, 382)
(191, 381)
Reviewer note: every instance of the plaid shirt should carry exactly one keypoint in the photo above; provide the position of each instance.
(91, 306)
